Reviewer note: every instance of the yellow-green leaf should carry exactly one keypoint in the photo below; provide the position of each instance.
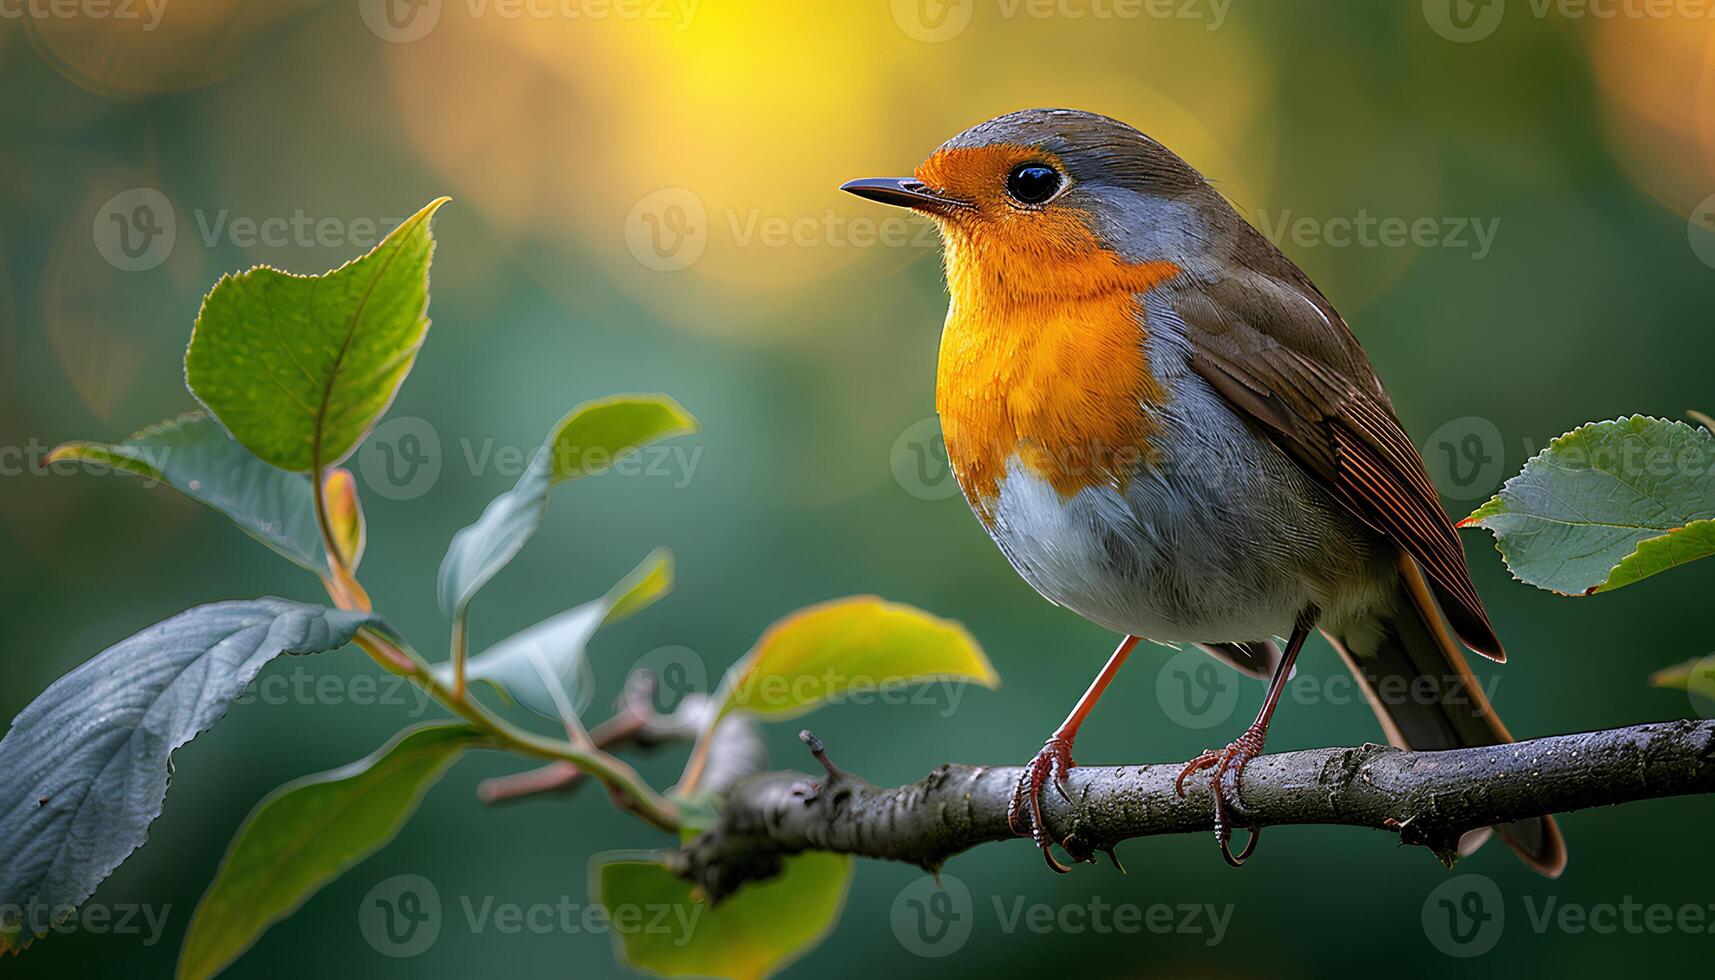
(593, 435)
(639, 590)
(661, 927)
(300, 368)
(863, 643)
(345, 516)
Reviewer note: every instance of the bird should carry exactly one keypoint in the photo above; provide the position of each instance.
(1169, 430)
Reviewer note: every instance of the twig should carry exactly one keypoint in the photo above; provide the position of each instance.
(622, 782)
(636, 723)
(1425, 798)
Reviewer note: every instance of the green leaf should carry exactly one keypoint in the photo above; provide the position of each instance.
(645, 585)
(1680, 546)
(1606, 505)
(1695, 677)
(546, 667)
(660, 926)
(300, 368)
(85, 765)
(307, 833)
(195, 456)
(822, 652)
(595, 434)
(584, 443)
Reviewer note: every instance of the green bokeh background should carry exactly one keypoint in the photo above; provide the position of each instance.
(809, 364)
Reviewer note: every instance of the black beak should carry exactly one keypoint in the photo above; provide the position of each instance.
(904, 192)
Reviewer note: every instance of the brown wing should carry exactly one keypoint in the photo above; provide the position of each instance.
(1281, 355)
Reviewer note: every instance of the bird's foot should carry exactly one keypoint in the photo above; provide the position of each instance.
(1024, 813)
(1228, 763)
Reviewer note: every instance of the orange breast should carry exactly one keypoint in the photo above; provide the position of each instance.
(1043, 356)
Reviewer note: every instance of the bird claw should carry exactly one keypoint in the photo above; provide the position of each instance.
(1115, 858)
(1228, 763)
(1024, 812)
(1060, 785)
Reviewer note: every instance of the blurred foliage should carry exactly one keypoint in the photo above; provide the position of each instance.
(809, 358)
(749, 936)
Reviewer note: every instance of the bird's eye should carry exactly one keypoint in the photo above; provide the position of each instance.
(1032, 183)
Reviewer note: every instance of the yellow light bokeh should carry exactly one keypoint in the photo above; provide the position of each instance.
(1657, 79)
(724, 143)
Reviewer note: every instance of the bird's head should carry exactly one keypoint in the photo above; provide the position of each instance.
(1046, 202)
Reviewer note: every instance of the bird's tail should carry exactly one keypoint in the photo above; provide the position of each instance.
(1421, 688)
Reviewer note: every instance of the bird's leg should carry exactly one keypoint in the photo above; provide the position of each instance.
(1051, 764)
(1230, 761)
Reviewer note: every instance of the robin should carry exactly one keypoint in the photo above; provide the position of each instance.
(1169, 430)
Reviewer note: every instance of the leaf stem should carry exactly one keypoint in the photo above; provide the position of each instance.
(636, 723)
(699, 759)
(717, 709)
(341, 581)
(560, 776)
(620, 779)
(318, 480)
(694, 766)
(623, 783)
(460, 647)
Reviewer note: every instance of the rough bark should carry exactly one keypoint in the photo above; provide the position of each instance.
(1425, 798)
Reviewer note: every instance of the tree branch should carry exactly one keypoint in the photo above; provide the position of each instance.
(1426, 798)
